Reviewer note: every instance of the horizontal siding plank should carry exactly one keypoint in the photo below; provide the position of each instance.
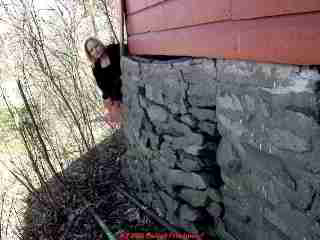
(138, 5)
(178, 13)
(246, 9)
(195, 41)
(290, 39)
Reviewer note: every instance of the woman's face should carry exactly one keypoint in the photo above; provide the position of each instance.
(95, 49)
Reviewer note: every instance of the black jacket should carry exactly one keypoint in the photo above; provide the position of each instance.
(108, 78)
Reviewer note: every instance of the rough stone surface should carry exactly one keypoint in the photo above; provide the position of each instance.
(203, 114)
(214, 195)
(266, 116)
(196, 75)
(288, 141)
(209, 128)
(180, 178)
(253, 125)
(195, 198)
(156, 113)
(187, 213)
(171, 206)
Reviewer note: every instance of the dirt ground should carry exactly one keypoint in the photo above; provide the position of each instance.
(88, 184)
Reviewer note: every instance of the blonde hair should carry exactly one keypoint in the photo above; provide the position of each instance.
(91, 59)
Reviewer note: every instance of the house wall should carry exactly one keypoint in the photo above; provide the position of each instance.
(229, 147)
(267, 31)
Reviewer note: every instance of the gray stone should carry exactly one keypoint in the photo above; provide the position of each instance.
(165, 86)
(297, 123)
(171, 206)
(235, 127)
(228, 161)
(187, 213)
(304, 195)
(292, 223)
(147, 197)
(231, 102)
(132, 126)
(168, 162)
(270, 187)
(268, 164)
(157, 113)
(254, 74)
(168, 155)
(210, 128)
(196, 76)
(131, 70)
(151, 94)
(257, 173)
(159, 205)
(143, 102)
(286, 140)
(189, 165)
(204, 114)
(159, 174)
(147, 136)
(180, 178)
(214, 195)
(250, 103)
(264, 109)
(313, 167)
(163, 176)
(194, 149)
(189, 120)
(266, 187)
(173, 128)
(240, 228)
(214, 210)
(304, 102)
(190, 142)
(195, 198)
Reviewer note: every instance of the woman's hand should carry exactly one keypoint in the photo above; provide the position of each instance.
(107, 103)
(112, 113)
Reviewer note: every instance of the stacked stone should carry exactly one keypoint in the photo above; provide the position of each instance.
(268, 117)
(269, 154)
(172, 112)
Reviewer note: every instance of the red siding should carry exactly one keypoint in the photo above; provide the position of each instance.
(260, 8)
(284, 39)
(138, 5)
(157, 15)
(188, 42)
(178, 13)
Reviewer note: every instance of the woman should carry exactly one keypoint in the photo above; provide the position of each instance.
(107, 71)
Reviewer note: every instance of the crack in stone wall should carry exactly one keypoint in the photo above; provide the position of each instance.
(229, 147)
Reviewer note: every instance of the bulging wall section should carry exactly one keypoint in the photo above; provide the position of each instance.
(230, 146)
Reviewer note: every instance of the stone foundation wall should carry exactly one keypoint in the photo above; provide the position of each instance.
(226, 140)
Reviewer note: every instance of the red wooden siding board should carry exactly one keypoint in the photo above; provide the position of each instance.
(138, 5)
(290, 39)
(193, 42)
(242, 9)
(134, 5)
(147, 20)
(178, 13)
